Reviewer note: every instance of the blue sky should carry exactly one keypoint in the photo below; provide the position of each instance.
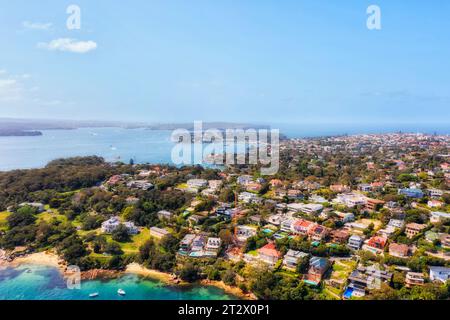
(221, 60)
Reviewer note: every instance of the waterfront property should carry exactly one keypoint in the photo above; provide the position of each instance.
(110, 225)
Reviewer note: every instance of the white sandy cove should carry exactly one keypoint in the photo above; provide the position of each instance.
(39, 258)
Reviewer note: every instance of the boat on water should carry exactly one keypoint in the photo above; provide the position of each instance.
(121, 292)
(93, 295)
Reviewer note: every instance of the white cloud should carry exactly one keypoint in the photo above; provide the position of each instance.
(10, 90)
(2, 71)
(68, 45)
(7, 83)
(37, 25)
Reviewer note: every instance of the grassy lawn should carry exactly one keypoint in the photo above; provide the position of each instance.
(3, 221)
(100, 257)
(367, 222)
(288, 273)
(85, 232)
(330, 294)
(136, 241)
(48, 216)
(341, 271)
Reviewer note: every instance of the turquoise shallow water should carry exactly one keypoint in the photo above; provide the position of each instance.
(32, 282)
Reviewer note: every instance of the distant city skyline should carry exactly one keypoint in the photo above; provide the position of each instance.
(242, 61)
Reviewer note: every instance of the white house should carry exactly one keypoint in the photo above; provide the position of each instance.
(158, 232)
(248, 197)
(350, 199)
(355, 242)
(441, 274)
(165, 215)
(345, 216)
(310, 208)
(292, 258)
(197, 183)
(439, 216)
(109, 226)
(38, 206)
(213, 245)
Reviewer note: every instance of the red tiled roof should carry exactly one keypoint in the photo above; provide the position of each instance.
(303, 223)
(270, 250)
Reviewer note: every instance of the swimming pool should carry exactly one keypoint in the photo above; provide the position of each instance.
(348, 293)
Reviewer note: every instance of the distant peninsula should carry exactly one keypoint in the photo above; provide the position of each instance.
(32, 127)
(18, 133)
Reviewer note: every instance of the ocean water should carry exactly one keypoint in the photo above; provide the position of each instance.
(114, 144)
(150, 146)
(34, 282)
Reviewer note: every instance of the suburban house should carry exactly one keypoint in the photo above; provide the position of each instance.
(399, 250)
(340, 188)
(214, 184)
(375, 244)
(302, 227)
(339, 236)
(439, 216)
(212, 246)
(345, 216)
(363, 279)
(276, 183)
(253, 186)
(165, 215)
(413, 229)
(197, 246)
(197, 183)
(374, 204)
(294, 194)
(276, 219)
(355, 242)
(248, 197)
(441, 274)
(292, 258)
(245, 232)
(386, 232)
(317, 268)
(364, 187)
(318, 232)
(158, 232)
(244, 179)
(435, 193)
(411, 193)
(110, 225)
(414, 279)
(131, 200)
(140, 184)
(396, 223)
(269, 254)
(36, 205)
(350, 199)
(287, 225)
(185, 244)
(435, 204)
(310, 208)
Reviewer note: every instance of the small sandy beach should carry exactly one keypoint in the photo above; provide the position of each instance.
(136, 268)
(40, 258)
